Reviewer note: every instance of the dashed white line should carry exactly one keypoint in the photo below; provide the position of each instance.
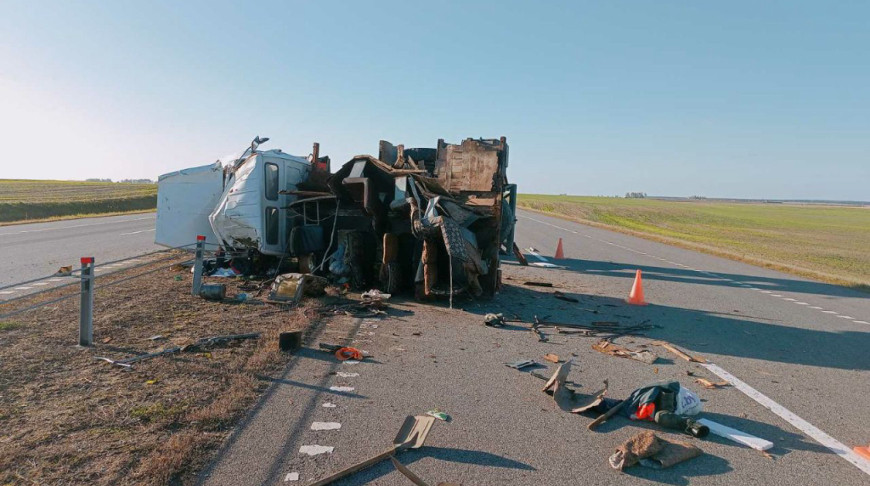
(6, 292)
(342, 388)
(799, 303)
(830, 312)
(816, 307)
(861, 322)
(325, 426)
(846, 317)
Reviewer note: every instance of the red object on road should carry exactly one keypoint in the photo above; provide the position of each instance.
(560, 254)
(862, 451)
(636, 295)
(347, 353)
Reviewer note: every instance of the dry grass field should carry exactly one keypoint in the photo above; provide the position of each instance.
(828, 243)
(68, 418)
(33, 200)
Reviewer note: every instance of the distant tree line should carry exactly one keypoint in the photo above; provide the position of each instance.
(123, 181)
(635, 195)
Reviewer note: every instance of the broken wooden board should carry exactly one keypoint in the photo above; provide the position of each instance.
(670, 347)
(607, 347)
(711, 385)
(553, 358)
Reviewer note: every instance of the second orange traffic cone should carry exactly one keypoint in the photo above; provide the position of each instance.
(635, 297)
(559, 253)
(863, 451)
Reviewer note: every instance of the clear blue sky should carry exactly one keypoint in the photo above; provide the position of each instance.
(733, 99)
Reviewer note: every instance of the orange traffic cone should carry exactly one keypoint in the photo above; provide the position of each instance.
(636, 295)
(559, 253)
(862, 451)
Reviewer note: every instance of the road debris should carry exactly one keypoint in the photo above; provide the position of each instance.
(292, 287)
(538, 284)
(325, 426)
(562, 296)
(735, 435)
(607, 347)
(494, 320)
(412, 435)
(670, 347)
(290, 341)
(649, 450)
(314, 450)
(711, 385)
(213, 291)
(346, 353)
(64, 271)
(329, 405)
(195, 346)
(291, 476)
(439, 415)
(407, 472)
(523, 363)
(553, 358)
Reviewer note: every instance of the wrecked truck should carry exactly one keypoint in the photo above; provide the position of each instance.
(432, 221)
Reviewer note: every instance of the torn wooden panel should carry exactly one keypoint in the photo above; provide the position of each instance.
(607, 347)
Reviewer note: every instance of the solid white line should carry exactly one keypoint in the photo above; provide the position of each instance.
(40, 284)
(23, 288)
(6, 292)
(811, 430)
(137, 232)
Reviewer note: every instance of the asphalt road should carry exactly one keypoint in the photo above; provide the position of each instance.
(37, 250)
(795, 350)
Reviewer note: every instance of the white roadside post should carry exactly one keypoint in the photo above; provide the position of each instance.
(197, 265)
(86, 321)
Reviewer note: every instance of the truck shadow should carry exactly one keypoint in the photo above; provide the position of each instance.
(698, 330)
(626, 270)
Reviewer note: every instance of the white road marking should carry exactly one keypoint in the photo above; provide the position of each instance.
(341, 388)
(861, 322)
(351, 362)
(73, 226)
(816, 307)
(291, 476)
(313, 450)
(55, 279)
(6, 292)
(329, 405)
(811, 430)
(23, 288)
(40, 284)
(726, 279)
(137, 232)
(345, 374)
(325, 426)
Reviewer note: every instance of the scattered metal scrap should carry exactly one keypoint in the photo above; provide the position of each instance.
(670, 347)
(195, 346)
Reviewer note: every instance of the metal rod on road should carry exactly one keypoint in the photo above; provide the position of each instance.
(197, 266)
(86, 321)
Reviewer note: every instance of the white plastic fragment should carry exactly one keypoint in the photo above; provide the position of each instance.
(325, 426)
(329, 405)
(292, 476)
(345, 374)
(738, 436)
(341, 388)
(313, 450)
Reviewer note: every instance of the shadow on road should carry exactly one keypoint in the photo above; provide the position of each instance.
(627, 271)
(700, 331)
